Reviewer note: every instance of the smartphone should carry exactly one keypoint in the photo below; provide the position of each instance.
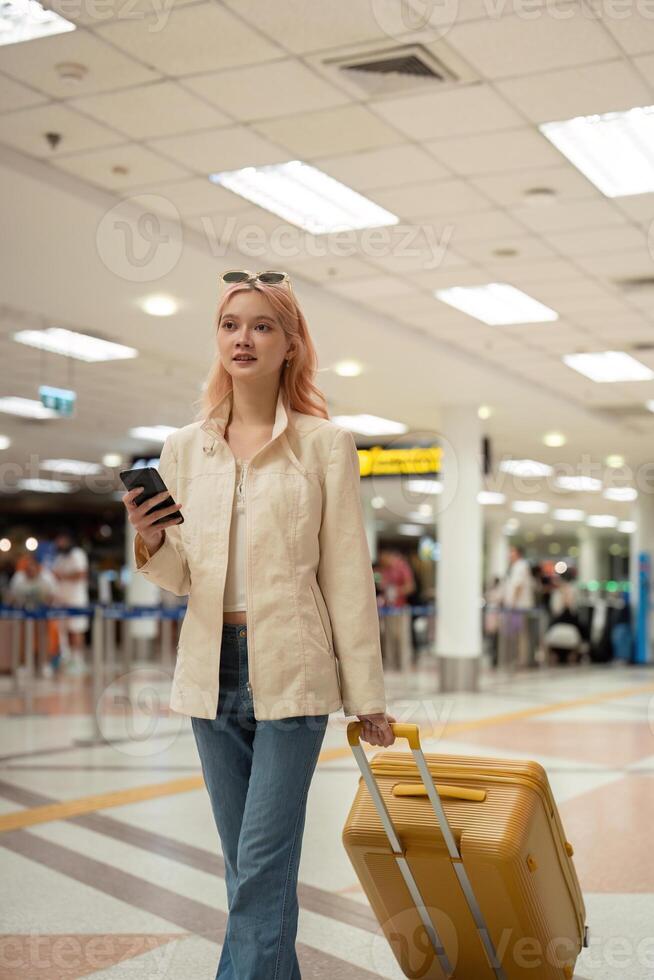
(150, 479)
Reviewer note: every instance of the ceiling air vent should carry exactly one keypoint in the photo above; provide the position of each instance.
(394, 69)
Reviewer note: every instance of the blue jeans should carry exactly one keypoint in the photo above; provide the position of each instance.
(257, 774)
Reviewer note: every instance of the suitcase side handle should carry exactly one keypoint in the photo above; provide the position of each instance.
(412, 734)
(445, 792)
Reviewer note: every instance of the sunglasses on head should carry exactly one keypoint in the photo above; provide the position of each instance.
(243, 275)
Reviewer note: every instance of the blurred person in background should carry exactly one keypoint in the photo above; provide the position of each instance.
(71, 570)
(30, 587)
(493, 600)
(517, 598)
(397, 584)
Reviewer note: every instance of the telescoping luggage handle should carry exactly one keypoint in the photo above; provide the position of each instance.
(412, 734)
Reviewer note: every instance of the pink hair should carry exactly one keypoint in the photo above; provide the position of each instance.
(298, 389)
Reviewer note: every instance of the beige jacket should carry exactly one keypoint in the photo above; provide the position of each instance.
(312, 624)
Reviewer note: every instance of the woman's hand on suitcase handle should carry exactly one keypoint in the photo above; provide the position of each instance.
(376, 729)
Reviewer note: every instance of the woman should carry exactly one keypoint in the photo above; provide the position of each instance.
(281, 626)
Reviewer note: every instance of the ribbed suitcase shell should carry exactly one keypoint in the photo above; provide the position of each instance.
(513, 848)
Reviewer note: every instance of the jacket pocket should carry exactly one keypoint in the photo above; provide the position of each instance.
(328, 644)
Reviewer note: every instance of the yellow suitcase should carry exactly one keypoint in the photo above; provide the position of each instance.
(465, 864)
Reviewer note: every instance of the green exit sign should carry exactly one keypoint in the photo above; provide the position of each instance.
(60, 399)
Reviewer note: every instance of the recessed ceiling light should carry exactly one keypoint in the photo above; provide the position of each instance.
(627, 527)
(5, 442)
(27, 408)
(77, 467)
(23, 21)
(554, 439)
(378, 503)
(370, 425)
(484, 412)
(305, 196)
(615, 461)
(31, 543)
(529, 507)
(650, 405)
(45, 486)
(496, 303)
(602, 520)
(579, 484)
(81, 346)
(568, 514)
(489, 498)
(612, 149)
(152, 433)
(159, 305)
(624, 494)
(525, 467)
(608, 366)
(113, 459)
(348, 369)
(5, 544)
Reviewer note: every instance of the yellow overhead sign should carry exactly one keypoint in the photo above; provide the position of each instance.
(377, 461)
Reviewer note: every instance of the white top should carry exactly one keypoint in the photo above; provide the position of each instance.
(234, 595)
(519, 586)
(72, 593)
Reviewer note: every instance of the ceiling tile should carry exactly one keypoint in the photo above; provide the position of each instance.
(520, 272)
(436, 197)
(278, 88)
(472, 109)
(200, 37)
(347, 130)
(501, 152)
(568, 216)
(94, 13)
(331, 25)
(374, 286)
(195, 197)
(509, 189)
(213, 151)
(24, 130)
(618, 265)
(633, 27)
(482, 226)
(560, 36)
(324, 268)
(143, 167)
(583, 242)
(526, 248)
(638, 207)
(606, 87)
(14, 96)
(107, 67)
(148, 111)
(392, 166)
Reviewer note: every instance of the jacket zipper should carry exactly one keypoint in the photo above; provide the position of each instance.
(244, 497)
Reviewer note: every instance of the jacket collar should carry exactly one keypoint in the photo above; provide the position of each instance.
(217, 422)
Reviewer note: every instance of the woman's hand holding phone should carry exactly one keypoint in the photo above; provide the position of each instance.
(142, 517)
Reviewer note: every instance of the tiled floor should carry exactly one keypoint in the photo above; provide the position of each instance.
(131, 885)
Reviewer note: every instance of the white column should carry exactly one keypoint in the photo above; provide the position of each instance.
(589, 558)
(140, 591)
(459, 569)
(498, 550)
(369, 520)
(642, 539)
